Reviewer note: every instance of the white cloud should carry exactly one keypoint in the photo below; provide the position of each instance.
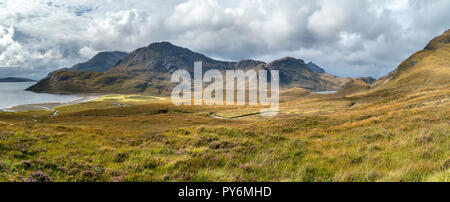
(330, 18)
(14, 53)
(349, 39)
(125, 30)
(87, 52)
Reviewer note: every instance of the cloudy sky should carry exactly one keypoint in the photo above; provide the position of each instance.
(346, 37)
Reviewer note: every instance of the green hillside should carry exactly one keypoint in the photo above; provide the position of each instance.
(429, 67)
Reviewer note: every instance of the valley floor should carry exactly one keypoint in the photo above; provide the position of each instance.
(375, 136)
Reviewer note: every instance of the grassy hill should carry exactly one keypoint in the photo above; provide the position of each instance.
(80, 82)
(313, 138)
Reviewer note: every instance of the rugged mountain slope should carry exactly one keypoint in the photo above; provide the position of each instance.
(315, 67)
(78, 82)
(429, 67)
(148, 70)
(165, 57)
(15, 79)
(101, 62)
(295, 73)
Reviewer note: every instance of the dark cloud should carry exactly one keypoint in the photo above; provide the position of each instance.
(346, 37)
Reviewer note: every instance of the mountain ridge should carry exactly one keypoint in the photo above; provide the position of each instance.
(315, 67)
(101, 62)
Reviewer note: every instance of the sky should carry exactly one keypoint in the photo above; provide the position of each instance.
(348, 38)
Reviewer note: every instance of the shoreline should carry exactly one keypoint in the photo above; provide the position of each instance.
(51, 106)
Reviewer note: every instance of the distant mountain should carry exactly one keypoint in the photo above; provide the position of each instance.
(429, 67)
(315, 67)
(354, 86)
(148, 70)
(369, 80)
(101, 62)
(15, 79)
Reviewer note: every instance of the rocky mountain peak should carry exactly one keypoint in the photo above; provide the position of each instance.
(439, 41)
(101, 62)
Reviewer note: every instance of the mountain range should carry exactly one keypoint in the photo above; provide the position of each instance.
(148, 70)
(15, 79)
